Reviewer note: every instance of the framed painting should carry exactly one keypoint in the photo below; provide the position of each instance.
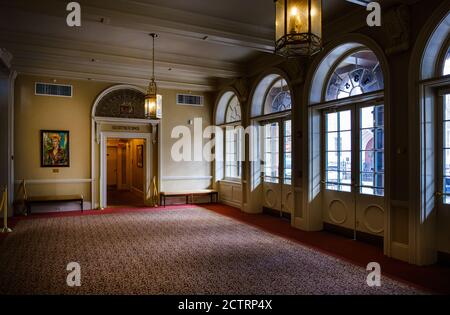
(140, 156)
(55, 150)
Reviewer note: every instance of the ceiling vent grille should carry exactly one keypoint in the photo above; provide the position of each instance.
(189, 99)
(48, 89)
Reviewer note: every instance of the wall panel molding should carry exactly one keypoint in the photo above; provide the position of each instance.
(54, 181)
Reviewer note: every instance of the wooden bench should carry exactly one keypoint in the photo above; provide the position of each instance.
(214, 195)
(53, 199)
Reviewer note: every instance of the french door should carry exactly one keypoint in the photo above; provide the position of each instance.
(277, 165)
(443, 159)
(353, 155)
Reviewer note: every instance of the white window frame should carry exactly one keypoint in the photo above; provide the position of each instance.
(237, 165)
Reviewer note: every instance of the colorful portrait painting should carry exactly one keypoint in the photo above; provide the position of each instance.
(140, 156)
(55, 148)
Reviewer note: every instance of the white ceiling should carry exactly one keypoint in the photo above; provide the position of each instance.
(201, 41)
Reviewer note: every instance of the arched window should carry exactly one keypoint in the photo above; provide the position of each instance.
(233, 111)
(354, 72)
(347, 138)
(271, 110)
(233, 140)
(228, 117)
(278, 97)
(357, 73)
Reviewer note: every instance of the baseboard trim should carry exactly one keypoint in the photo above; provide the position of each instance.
(360, 236)
(277, 213)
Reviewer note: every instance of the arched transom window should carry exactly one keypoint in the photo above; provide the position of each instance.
(228, 117)
(278, 97)
(233, 112)
(357, 73)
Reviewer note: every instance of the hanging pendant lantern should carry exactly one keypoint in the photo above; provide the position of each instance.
(298, 27)
(153, 101)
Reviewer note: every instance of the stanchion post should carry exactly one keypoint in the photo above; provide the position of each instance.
(5, 211)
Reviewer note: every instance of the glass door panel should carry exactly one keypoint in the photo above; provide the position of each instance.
(445, 150)
(372, 150)
(287, 160)
(338, 151)
(271, 153)
(278, 165)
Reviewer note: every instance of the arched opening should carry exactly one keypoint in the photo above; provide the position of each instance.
(230, 148)
(271, 146)
(123, 148)
(347, 173)
(433, 107)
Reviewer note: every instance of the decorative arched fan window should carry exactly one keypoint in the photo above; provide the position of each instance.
(278, 98)
(233, 112)
(355, 74)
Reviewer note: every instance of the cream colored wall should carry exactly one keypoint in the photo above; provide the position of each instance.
(34, 113)
(178, 115)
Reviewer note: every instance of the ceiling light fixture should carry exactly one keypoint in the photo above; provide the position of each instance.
(153, 101)
(298, 27)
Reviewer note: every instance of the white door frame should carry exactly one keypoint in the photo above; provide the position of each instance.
(104, 136)
(355, 198)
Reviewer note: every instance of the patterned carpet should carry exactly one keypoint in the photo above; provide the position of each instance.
(179, 251)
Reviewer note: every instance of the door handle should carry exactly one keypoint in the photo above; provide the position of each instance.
(439, 194)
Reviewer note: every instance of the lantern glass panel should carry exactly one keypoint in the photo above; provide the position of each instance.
(280, 22)
(159, 106)
(150, 106)
(297, 16)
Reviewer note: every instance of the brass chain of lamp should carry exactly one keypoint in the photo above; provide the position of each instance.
(153, 35)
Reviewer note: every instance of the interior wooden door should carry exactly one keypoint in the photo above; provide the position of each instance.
(111, 164)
